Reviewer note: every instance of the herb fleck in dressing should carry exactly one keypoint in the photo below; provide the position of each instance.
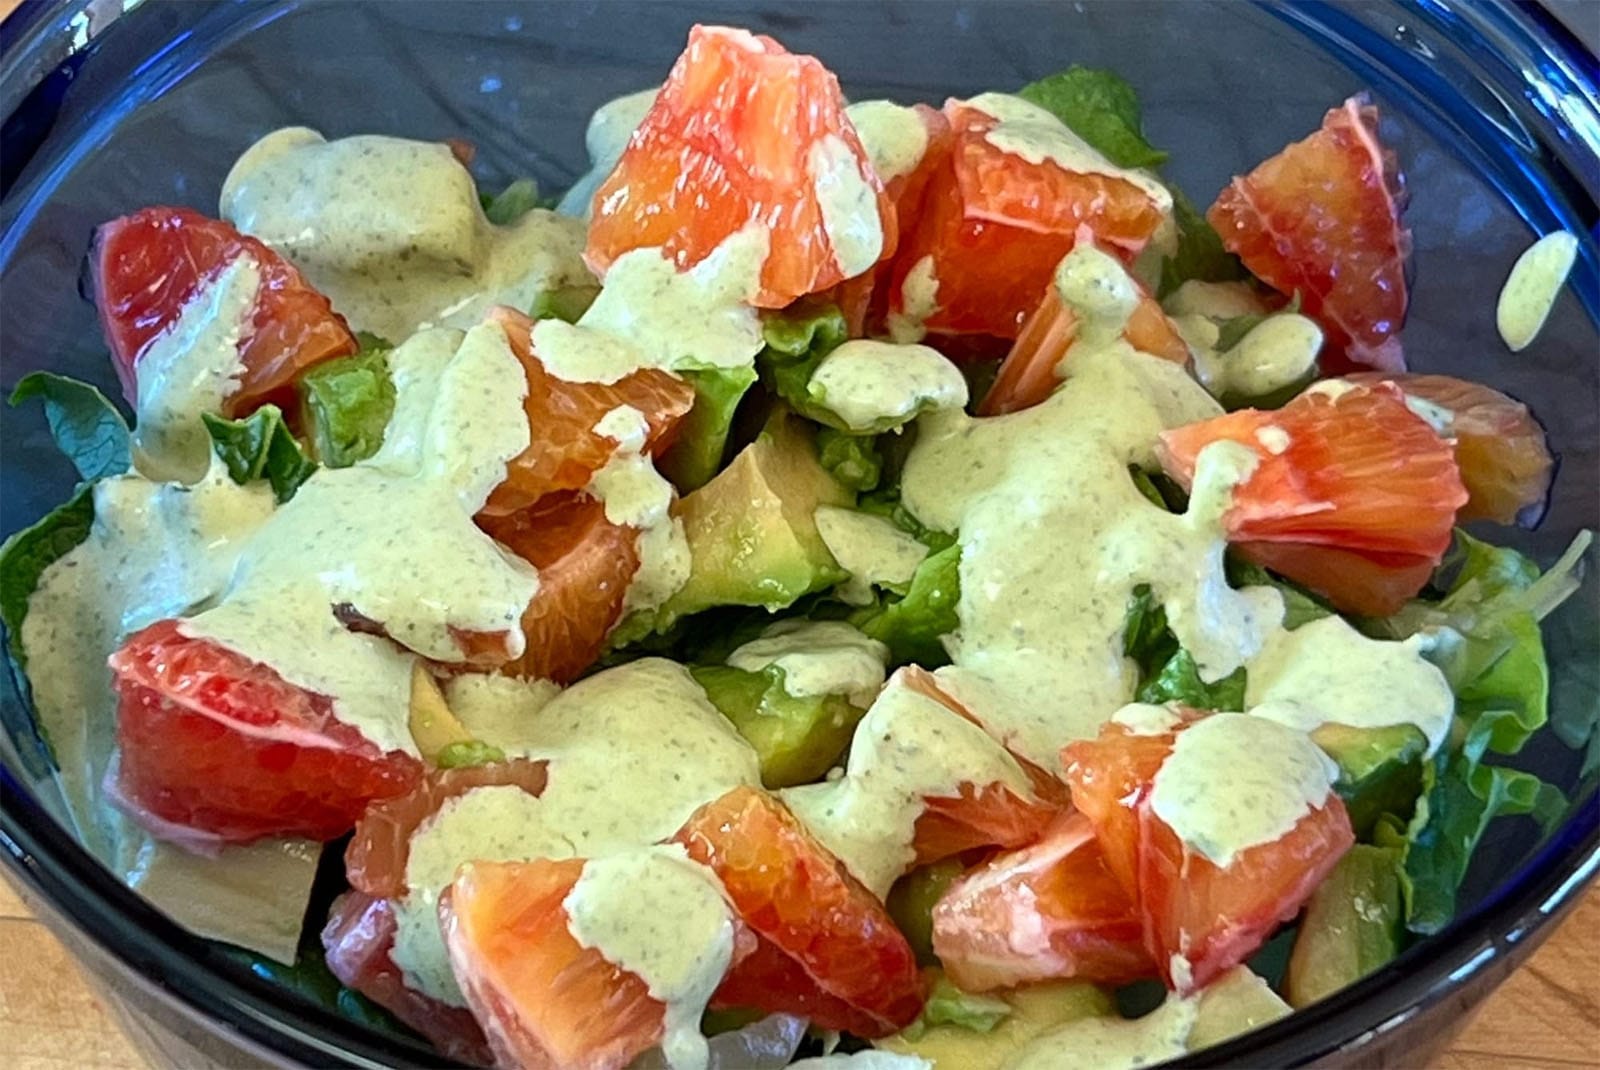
(870, 548)
(637, 496)
(1234, 781)
(908, 747)
(919, 299)
(392, 230)
(191, 368)
(1532, 287)
(632, 751)
(818, 658)
(663, 918)
(874, 386)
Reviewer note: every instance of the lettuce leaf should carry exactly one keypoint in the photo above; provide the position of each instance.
(1179, 681)
(853, 460)
(86, 427)
(1101, 108)
(1146, 639)
(697, 454)
(27, 553)
(260, 447)
(345, 405)
(912, 627)
(949, 1005)
(1300, 606)
(796, 341)
(1201, 254)
(513, 202)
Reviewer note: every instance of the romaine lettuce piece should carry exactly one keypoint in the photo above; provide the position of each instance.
(27, 553)
(913, 627)
(853, 460)
(702, 440)
(1200, 254)
(345, 405)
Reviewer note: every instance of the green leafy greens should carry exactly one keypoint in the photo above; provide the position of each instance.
(27, 553)
(87, 427)
(1099, 107)
(260, 447)
(702, 441)
(913, 627)
(345, 405)
(1200, 254)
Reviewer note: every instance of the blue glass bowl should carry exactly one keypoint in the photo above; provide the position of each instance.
(1493, 108)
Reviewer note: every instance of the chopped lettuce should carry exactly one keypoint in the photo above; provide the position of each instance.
(1488, 644)
(260, 447)
(796, 341)
(1179, 681)
(1300, 606)
(468, 752)
(853, 460)
(796, 737)
(1099, 107)
(949, 1005)
(1146, 639)
(345, 405)
(1201, 254)
(513, 202)
(87, 427)
(702, 440)
(27, 553)
(913, 627)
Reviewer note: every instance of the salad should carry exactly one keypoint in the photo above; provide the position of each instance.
(859, 583)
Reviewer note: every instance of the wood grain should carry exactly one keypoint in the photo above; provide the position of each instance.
(1545, 1017)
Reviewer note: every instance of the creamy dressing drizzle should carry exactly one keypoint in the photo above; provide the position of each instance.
(919, 299)
(870, 548)
(893, 135)
(1030, 132)
(632, 752)
(1146, 719)
(651, 315)
(191, 368)
(336, 542)
(874, 386)
(1112, 1043)
(662, 917)
(156, 550)
(1279, 352)
(1234, 781)
(818, 658)
(849, 205)
(392, 230)
(1531, 289)
(637, 496)
(1327, 672)
(907, 747)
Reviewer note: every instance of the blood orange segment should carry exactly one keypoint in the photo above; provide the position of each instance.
(216, 748)
(585, 564)
(993, 225)
(1201, 920)
(826, 947)
(375, 859)
(1365, 582)
(358, 939)
(1051, 910)
(742, 133)
(1322, 219)
(1505, 461)
(1352, 469)
(1198, 919)
(149, 265)
(564, 449)
(1032, 369)
(544, 1000)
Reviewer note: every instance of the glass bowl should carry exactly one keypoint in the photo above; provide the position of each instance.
(110, 105)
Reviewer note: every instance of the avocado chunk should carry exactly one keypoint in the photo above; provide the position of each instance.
(1034, 1010)
(797, 739)
(693, 459)
(752, 537)
(1352, 925)
(911, 902)
(1232, 1005)
(1380, 769)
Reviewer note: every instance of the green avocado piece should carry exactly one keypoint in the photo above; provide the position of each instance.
(752, 537)
(797, 739)
(1380, 769)
(1352, 925)
(1232, 1005)
(912, 899)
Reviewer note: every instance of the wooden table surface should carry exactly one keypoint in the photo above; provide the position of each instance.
(1545, 1017)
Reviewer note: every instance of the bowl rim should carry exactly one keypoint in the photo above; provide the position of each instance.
(48, 863)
